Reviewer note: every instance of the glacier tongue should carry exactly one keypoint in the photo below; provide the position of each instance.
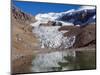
(50, 37)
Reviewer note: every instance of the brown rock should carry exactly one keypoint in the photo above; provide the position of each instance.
(68, 28)
(86, 37)
(20, 16)
(72, 30)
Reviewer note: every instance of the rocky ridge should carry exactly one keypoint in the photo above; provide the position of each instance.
(23, 41)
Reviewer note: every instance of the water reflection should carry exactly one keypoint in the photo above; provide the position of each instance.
(64, 60)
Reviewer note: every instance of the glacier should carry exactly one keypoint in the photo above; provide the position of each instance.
(50, 37)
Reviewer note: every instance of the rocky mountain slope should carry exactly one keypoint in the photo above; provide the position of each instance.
(85, 36)
(23, 40)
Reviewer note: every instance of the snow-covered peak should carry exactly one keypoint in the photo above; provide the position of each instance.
(70, 17)
(51, 16)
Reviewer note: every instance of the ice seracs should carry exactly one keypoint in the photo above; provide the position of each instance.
(50, 37)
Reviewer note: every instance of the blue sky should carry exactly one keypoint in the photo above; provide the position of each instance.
(39, 7)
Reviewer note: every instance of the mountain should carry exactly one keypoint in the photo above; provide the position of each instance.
(61, 30)
(51, 31)
(82, 16)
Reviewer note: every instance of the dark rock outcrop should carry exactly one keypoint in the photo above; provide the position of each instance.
(51, 23)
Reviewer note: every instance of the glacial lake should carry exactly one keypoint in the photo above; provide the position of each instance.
(64, 61)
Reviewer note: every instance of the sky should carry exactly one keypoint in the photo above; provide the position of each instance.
(34, 8)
